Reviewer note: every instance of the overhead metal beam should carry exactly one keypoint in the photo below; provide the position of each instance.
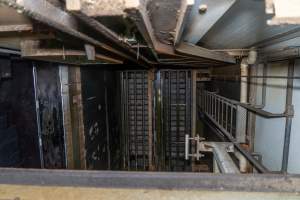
(138, 13)
(201, 23)
(48, 14)
(111, 35)
(190, 49)
(184, 13)
(31, 49)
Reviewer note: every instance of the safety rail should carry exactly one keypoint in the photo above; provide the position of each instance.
(227, 114)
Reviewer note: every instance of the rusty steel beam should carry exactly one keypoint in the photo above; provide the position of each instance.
(189, 49)
(112, 36)
(48, 14)
(138, 13)
(31, 49)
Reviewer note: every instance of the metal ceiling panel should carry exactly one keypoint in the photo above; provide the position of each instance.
(244, 24)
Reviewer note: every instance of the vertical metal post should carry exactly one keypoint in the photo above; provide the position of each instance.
(135, 121)
(169, 107)
(177, 117)
(123, 114)
(38, 116)
(150, 125)
(289, 118)
(127, 121)
(143, 122)
(65, 107)
(194, 102)
(107, 124)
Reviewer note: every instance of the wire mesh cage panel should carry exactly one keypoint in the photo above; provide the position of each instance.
(176, 116)
(135, 120)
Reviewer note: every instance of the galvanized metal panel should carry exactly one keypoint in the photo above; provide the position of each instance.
(200, 24)
(243, 25)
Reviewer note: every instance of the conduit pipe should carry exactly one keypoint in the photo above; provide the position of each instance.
(290, 113)
(250, 60)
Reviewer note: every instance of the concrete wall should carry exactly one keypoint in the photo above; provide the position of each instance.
(294, 159)
(269, 133)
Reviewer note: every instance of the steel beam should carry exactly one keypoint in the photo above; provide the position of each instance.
(138, 13)
(110, 35)
(31, 49)
(185, 10)
(201, 23)
(48, 14)
(190, 49)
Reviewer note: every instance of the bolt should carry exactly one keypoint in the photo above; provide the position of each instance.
(202, 8)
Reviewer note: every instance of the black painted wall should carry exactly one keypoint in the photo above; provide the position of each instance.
(50, 115)
(17, 105)
(101, 100)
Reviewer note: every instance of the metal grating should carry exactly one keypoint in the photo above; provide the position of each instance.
(225, 113)
(135, 120)
(176, 113)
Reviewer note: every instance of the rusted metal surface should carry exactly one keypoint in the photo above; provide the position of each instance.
(113, 37)
(54, 17)
(31, 49)
(194, 50)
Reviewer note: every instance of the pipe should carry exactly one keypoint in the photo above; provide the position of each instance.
(224, 162)
(264, 88)
(250, 60)
(244, 81)
(257, 165)
(289, 118)
(242, 161)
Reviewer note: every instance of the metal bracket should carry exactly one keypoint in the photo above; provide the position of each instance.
(197, 154)
(202, 146)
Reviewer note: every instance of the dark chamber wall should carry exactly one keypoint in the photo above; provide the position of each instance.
(18, 136)
(101, 108)
(48, 91)
(227, 87)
